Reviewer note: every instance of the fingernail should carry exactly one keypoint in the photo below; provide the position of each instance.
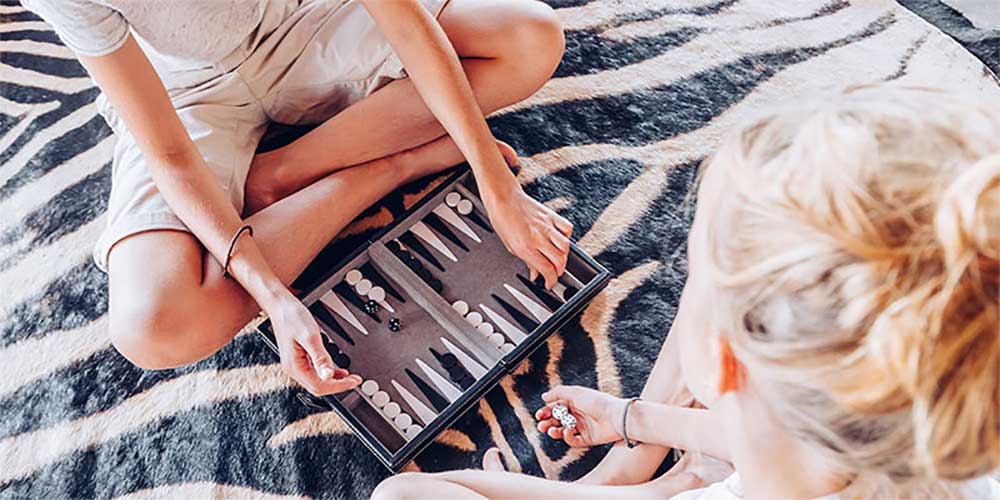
(324, 372)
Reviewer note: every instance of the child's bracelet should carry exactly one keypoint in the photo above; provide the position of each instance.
(629, 443)
(232, 245)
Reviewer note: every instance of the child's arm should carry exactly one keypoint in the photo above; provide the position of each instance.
(599, 420)
(530, 230)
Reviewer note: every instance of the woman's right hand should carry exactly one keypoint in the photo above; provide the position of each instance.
(303, 355)
(598, 416)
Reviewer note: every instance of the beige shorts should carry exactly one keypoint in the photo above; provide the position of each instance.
(318, 57)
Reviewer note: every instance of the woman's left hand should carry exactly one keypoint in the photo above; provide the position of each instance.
(531, 231)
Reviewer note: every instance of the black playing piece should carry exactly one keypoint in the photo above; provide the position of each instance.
(369, 271)
(479, 221)
(330, 346)
(325, 317)
(441, 227)
(456, 373)
(342, 360)
(567, 293)
(437, 400)
(527, 323)
(347, 293)
(425, 274)
(447, 359)
(551, 302)
(410, 240)
(436, 285)
(372, 306)
(466, 382)
(393, 246)
(394, 325)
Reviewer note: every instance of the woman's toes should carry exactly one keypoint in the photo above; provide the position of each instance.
(509, 155)
(493, 461)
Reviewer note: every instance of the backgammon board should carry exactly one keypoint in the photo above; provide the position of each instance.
(431, 313)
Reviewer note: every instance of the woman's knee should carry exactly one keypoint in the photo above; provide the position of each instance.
(536, 40)
(156, 334)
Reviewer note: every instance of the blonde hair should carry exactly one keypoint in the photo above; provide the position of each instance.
(856, 262)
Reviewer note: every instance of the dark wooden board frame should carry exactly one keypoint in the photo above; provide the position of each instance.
(395, 461)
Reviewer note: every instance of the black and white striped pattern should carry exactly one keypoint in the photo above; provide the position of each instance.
(646, 89)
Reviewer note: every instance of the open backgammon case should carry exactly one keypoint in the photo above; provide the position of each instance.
(431, 313)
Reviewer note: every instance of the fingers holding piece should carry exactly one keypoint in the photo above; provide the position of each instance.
(321, 361)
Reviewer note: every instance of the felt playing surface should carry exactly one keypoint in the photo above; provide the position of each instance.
(645, 91)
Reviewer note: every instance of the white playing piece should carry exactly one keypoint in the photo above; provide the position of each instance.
(391, 410)
(380, 398)
(452, 218)
(485, 328)
(536, 309)
(497, 339)
(377, 294)
(338, 306)
(419, 408)
(474, 318)
(412, 431)
(512, 331)
(464, 207)
(353, 277)
(423, 232)
(449, 391)
(369, 387)
(461, 307)
(507, 348)
(403, 421)
(452, 199)
(363, 287)
(470, 364)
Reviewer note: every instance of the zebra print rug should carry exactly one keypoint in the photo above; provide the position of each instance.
(646, 89)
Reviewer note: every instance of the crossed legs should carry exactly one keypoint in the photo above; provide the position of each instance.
(170, 305)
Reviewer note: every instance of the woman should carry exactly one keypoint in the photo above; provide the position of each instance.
(189, 88)
(841, 317)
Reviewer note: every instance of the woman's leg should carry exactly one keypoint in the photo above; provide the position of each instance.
(170, 305)
(509, 49)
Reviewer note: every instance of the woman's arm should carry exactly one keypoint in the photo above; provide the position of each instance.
(530, 230)
(134, 89)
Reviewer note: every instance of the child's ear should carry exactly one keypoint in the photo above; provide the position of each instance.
(732, 374)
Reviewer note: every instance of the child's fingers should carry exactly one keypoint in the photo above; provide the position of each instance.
(545, 425)
(544, 412)
(573, 437)
(555, 432)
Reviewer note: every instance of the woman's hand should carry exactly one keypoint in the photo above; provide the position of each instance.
(531, 231)
(598, 416)
(303, 355)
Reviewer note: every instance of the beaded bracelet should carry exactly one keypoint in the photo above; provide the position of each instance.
(629, 443)
(232, 245)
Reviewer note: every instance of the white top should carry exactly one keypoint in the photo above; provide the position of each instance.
(984, 488)
(197, 32)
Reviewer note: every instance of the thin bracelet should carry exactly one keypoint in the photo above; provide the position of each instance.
(629, 443)
(232, 245)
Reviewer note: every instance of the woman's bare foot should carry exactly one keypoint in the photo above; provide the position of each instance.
(266, 184)
(493, 460)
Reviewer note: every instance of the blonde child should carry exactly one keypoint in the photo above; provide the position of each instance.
(840, 318)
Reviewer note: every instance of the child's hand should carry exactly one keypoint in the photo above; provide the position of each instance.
(598, 416)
